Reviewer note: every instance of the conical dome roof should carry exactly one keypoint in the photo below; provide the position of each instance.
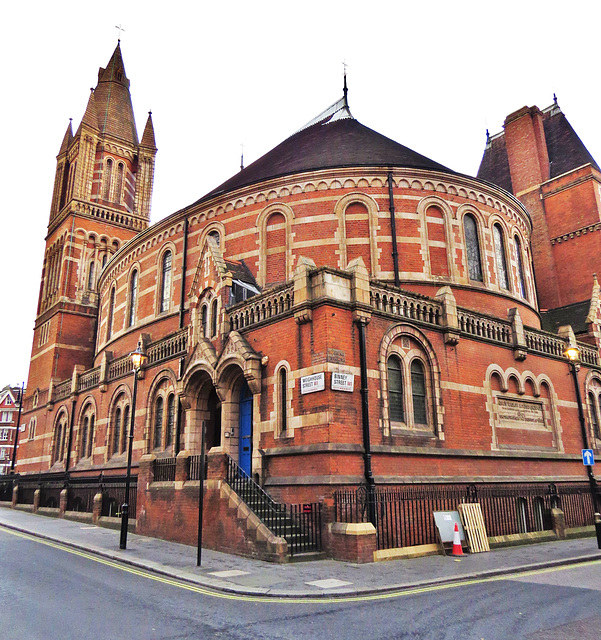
(332, 139)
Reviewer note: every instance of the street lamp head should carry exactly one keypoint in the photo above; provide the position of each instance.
(138, 358)
(572, 353)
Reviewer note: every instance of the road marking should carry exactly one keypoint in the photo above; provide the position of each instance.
(317, 599)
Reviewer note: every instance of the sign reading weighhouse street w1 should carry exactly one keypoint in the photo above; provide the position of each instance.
(520, 414)
(310, 384)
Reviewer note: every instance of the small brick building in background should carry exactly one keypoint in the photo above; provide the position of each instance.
(342, 312)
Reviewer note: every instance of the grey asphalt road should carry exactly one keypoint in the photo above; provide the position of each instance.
(49, 593)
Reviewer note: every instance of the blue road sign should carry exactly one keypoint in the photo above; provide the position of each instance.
(588, 458)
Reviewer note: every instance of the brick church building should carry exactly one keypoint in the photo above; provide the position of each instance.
(344, 315)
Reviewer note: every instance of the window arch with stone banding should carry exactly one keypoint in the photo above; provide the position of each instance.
(358, 227)
(274, 225)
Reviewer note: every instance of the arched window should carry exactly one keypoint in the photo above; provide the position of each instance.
(117, 432)
(126, 427)
(119, 185)
(84, 437)
(109, 321)
(108, 177)
(395, 390)
(170, 430)
(282, 400)
(91, 281)
(500, 259)
(91, 437)
(166, 282)
(204, 313)
(105, 257)
(215, 235)
(133, 295)
(158, 423)
(214, 318)
(60, 438)
(418, 393)
(32, 426)
(520, 263)
(594, 408)
(472, 246)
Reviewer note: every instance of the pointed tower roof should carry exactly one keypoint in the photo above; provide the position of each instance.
(68, 137)
(113, 101)
(332, 139)
(565, 149)
(148, 135)
(90, 117)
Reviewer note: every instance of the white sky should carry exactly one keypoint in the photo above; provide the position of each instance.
(430, 75)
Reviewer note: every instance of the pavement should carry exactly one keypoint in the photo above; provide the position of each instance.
(251, 577)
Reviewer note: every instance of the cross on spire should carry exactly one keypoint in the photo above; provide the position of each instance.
(120, 29)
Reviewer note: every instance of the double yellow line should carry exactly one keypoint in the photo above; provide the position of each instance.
(181, 584)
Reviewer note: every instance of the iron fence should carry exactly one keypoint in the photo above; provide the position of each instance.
(113, 497)
(194, 468)
(6, 489)
(403, 515)
(164, 469)
(298, 524)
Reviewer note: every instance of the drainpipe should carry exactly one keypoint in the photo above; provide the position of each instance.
(395, 253)
(369, 478)
(182, 300)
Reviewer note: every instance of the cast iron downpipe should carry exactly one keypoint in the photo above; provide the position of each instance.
(369, 478)
(395, 252)
(182, 301)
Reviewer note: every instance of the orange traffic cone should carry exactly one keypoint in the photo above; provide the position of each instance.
(457, 550)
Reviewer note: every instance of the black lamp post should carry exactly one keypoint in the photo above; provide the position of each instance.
(572, 353)
(138, 359)
(16, 442)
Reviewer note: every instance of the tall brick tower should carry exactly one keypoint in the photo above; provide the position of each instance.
(101, 199)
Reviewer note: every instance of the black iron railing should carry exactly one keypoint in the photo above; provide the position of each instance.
(298, 524)
(404, 514)
(164, 469)
(113, 496)
(194, 468)
(6, 489)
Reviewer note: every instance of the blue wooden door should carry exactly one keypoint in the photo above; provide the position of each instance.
(245, 425)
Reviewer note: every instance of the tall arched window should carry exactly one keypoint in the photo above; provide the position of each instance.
(117, 434)
(166, 282)
(170, 430)
(60, 437)
(214, 318)
(126, 427)
(395, 390)
(204, 319)
(91, 280)
(119, 185)
(84, 437)
(109, 321)
(520, 263)
(418, 393)
(133, 295)
(595, 421)
(108, 178)
(158, 423)
(472, 246)
(500, 258)
(91, 437)
(282, 400)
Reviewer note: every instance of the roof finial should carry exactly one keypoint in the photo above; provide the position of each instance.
(554, 99)
(487, 136)
(345, 87)
(241, 156)
(120, 29)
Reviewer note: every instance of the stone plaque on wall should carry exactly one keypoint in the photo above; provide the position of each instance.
(520, 414)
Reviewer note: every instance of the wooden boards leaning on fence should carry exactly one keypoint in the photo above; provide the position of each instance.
(473, 523)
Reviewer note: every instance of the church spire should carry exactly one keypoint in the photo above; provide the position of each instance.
(148, 135)
(68, 137)
(90, 117)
